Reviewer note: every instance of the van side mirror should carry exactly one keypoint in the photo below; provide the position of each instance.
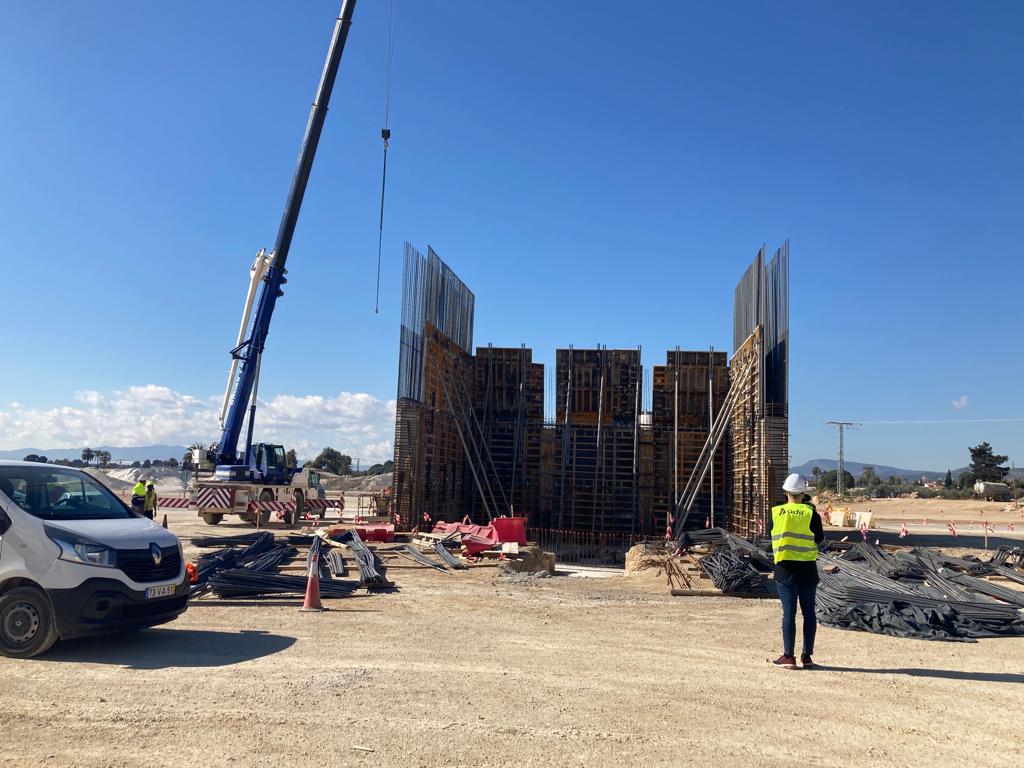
(5, 522)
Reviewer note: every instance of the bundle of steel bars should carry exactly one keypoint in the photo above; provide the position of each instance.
(245, 583)
(852, 595)
(262, 555)
(410, 552)
(448, 557)
(731, 573)
(372, 572)
(242, 539)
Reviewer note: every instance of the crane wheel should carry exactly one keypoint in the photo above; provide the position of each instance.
(265, 495)
(296, 514)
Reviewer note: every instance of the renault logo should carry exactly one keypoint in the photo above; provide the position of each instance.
(156, 553)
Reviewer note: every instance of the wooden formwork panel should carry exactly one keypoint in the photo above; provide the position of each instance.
(759, 438)
(507, 382)
(432, 481)
(599, 484)
(680, 388)
(600, 384)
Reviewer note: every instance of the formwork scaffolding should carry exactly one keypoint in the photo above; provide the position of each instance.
(593, 476)
(686, 391)
(431, 478)
(760, 418)
(508, 398)
(471, 436)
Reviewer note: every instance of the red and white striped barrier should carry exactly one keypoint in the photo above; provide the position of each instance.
(903, 531)
(219, 498)
(172, 503)
(324, 503)
(288, 506)
(952, 528)
(864, 531)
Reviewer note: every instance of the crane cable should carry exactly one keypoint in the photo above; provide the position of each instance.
(385, 134)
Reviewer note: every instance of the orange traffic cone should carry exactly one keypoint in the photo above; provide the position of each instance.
(165, 520)
(312, 601)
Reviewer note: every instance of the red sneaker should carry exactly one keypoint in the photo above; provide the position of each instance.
(785, 662)
(806, 663)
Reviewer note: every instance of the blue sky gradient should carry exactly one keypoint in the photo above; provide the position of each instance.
(594, 172)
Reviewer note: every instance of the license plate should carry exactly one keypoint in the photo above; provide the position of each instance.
(163, 591)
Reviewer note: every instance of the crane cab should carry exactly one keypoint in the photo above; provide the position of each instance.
(266, 464)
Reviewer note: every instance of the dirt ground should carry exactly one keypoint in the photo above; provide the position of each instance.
(473, 669)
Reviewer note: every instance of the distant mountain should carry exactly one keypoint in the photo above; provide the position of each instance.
(884, 472)
(138, 453)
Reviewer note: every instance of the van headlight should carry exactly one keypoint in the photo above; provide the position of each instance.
(78, 549)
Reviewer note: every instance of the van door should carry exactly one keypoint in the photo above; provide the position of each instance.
(5, 523)
(9, 489)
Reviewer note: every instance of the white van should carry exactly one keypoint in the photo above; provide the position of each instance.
(75, 560)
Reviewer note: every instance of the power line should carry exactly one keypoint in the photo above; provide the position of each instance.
(943, 421)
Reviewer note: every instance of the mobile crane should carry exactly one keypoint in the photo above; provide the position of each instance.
(244, 481)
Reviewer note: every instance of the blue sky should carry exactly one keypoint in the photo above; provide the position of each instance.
(594, 174)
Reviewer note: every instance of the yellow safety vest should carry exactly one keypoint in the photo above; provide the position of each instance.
(139, 490)
(150, 499)
(791, 533)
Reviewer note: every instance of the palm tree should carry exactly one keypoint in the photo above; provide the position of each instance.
(88, 454)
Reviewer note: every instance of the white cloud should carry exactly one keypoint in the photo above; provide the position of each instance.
(961, 402)
(354, 423)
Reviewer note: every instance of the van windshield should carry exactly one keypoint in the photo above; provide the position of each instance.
(55, 493)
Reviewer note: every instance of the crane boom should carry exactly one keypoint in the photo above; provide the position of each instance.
(247, 353)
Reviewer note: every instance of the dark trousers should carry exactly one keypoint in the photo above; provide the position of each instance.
(804, 593)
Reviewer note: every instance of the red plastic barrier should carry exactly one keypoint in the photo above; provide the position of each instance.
(483, 531)
(376, 532)
(511, 529)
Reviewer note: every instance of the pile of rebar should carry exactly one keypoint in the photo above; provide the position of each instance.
(410, 552)
(242, 539)
(450, 559)
(853, 595)
(759, 550)
(337, 564)
(262, 555)
(372, 571)
(731, 573)
(245, 583)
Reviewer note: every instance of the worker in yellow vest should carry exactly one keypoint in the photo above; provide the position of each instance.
(150, 500)
(796, 533)
(139, 497)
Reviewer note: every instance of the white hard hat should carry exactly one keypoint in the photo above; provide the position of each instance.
(795, 484)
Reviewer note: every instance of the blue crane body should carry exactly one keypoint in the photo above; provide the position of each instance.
(265, 463)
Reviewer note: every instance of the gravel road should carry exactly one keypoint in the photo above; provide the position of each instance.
(474, 670)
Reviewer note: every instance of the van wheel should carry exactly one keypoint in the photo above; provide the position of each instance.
(26, 623)
(212, 518)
